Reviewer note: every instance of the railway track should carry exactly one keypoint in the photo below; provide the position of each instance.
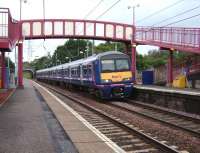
(180, 121)
(129, 137)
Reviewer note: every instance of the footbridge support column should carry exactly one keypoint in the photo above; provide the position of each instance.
(20, 65)
(128, 48)
(133, 61)
(3, 70)
(170, 68)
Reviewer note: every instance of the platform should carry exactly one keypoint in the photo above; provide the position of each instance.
(27, 125)
(185, 100)
(188, 91)
(33, 120)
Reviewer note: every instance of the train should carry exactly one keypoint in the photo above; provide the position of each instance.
(107, 75)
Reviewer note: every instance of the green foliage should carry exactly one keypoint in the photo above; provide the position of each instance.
(26, 65)
(71, 50)
(156, 58)
(27, 75)
(108, 46)
(41, 63)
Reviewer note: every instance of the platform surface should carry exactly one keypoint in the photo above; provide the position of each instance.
(26, 125)
(187, 91)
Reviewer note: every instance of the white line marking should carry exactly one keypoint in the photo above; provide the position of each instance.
(110, 143)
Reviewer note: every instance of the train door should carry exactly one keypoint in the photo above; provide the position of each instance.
(81, 74)
(70, 76)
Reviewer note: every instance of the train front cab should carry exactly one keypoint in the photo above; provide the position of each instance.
(115, 76)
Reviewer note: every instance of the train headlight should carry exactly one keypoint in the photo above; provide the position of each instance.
(106, 81)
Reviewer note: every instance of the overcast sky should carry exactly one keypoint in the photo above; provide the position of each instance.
(77, 9)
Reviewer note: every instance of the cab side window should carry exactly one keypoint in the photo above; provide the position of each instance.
(89, 70)
(84, 70)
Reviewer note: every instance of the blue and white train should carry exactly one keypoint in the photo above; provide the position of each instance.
(107, 74)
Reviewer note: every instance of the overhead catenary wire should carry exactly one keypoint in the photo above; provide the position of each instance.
(93, 9)
(170, 18)
(90, 12)
(159, 11)
(181, 20)
(196, 15)
(107, 10)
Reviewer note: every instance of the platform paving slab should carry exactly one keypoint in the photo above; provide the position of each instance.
(85, 140)
(23, 126)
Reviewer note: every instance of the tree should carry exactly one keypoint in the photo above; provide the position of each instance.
(109, 46)
(41, 63)
(72, 50)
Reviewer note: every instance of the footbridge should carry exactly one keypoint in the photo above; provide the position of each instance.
(13, 32)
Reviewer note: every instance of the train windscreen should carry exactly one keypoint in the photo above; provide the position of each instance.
(112, 65)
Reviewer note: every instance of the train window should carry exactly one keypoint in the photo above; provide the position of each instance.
(79, 70)
(66, 72)
(108, 65)
(89, 70)
(122, 64)
(75, 71)
(84, 70)
(72, 72)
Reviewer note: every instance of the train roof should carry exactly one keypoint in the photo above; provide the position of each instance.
(81, 61)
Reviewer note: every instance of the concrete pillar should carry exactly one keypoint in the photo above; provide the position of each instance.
(133, 61)
(3, 72)
(20, 65)
(170, 68)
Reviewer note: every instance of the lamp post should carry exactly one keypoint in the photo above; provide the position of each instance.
(67, 58)
(20, 2)
(133, 8)
(87, 48)
(116, 46)
(93, 46)
(81, 52)
(133, 45)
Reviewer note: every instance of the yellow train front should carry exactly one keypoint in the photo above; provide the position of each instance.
(113, 75)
